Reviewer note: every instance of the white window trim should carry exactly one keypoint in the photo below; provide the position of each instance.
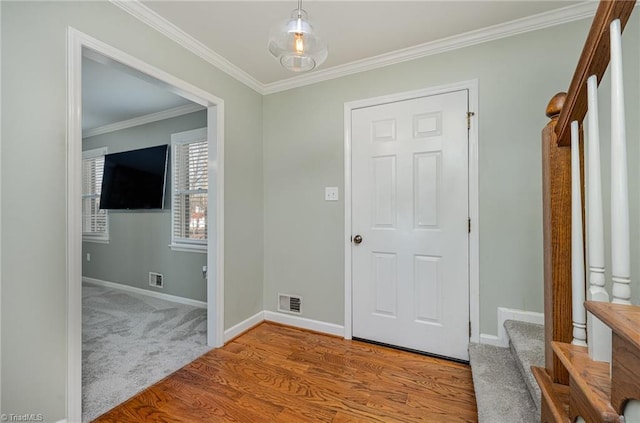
(180, 138)
(187, 248)
(102, 238)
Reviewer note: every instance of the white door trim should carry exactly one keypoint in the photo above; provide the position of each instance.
(474, 260)
(215, 256)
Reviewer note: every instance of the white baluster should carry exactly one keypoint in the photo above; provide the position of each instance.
(620, 262)
(577, 247)
(599, 334)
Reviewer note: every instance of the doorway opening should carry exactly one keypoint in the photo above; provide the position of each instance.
(80, 45)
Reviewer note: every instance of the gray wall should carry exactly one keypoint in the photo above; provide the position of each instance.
(304, 235)
(138, 240)
(34, 109)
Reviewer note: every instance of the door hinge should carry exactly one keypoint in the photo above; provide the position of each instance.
(469, 116)
(469, 329)
(469, 221)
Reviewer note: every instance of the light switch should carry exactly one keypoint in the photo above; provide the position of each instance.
(331, 193)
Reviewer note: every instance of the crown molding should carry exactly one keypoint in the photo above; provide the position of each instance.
(507, 29)
(531, 23)
(143, 120)
(160, 24)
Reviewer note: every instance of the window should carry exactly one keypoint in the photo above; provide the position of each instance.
(189, 188)
(95, 222)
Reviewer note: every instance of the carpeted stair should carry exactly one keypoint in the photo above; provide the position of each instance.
(506, 391)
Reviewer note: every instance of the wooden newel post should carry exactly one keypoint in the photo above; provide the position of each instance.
(556, 203)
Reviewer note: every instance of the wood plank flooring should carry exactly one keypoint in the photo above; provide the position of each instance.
(276, 373)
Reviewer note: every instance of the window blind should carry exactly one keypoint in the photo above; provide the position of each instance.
(190, 187)
(94, 220)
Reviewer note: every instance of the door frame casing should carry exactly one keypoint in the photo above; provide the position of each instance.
(77, 41)
(474, 259)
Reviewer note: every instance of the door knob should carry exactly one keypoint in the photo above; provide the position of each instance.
(357, 239)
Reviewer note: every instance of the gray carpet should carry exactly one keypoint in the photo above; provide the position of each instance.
(131, 341)
(501, 393)
(526, 341)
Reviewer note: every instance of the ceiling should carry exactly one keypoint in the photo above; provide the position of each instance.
(354, 30)
(235, 34)
(115, 93)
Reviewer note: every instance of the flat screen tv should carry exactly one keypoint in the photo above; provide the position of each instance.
(134, 179)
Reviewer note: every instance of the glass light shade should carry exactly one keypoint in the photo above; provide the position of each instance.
(296, 44)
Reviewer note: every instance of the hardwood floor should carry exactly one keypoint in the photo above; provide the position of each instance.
(275, 373)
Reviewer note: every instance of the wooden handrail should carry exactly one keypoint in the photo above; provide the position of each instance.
(593, 61)
(557, 221)
(562, 110)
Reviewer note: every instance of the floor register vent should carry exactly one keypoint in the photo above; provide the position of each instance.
(290, 303)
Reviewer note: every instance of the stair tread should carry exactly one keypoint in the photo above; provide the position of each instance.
(621, 318)
(556, 395)
(592, 377)
(527, 343)
(501, 393)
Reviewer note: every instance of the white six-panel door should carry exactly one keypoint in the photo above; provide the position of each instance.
(410, 272)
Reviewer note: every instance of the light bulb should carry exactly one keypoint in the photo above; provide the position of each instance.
(296, 44)
(299, 42)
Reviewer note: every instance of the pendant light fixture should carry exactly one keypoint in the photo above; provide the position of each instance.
(296, 44)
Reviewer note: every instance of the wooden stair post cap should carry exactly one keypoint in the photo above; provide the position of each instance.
(555, 105)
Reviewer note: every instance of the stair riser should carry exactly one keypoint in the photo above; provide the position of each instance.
(580, 406)
(625, 370)
(532, 387)
(526, 342)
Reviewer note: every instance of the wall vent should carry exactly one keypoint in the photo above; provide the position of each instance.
(290, 303)
(156, 280)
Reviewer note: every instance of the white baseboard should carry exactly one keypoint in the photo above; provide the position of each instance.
(154, 294)
(504, 314)
(304, 323)
(490, 340)
(285, 319)
(243, 326)
(232, 332)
